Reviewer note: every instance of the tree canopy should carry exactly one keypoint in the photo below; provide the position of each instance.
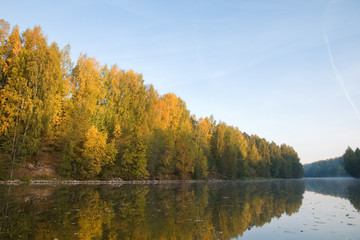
(352, 162)
(104, 122)
(326, 168)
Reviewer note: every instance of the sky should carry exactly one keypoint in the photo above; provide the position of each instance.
(287, 71)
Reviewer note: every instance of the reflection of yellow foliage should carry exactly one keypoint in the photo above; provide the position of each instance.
(92, 216)
(187, 211)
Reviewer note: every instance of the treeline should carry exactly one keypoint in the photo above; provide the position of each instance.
(104, 122)
(326, 168)
(352, 162)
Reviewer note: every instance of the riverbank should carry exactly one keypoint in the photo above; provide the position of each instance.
(100, 182)
(119, 181)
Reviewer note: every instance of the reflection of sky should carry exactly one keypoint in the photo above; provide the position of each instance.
(260, 65)
(320, 217)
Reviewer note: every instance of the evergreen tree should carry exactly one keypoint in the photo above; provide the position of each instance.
(352, 162)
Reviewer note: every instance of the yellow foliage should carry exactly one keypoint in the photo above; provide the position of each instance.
(88, 89)
(170, 111)
(96, 153)
(254, 155)
(204, 126)
(241, 143)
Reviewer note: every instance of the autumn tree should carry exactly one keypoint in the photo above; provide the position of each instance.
(106, 122)
(83, 111)
(172, 149)
(203, 130)
(31, 91)
(263, 167)
(96, 153)
(253, 159)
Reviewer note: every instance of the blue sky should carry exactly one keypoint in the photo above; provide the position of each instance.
(263, 66)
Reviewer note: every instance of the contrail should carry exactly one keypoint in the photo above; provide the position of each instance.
(339, 78)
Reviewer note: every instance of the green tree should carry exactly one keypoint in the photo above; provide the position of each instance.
(230, 150)
(326, 168)
(291, 166)
(184, 157)
(352, 162)
(275, 160)
(218, 147)
(161, 153)
(133, 162)
(203, 133)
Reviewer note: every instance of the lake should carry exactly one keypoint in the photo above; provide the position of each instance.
(277, 209)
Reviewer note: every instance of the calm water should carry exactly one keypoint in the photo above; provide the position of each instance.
(284, 209)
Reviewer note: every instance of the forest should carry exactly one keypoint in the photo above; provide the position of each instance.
(346, 165)
(104, 122)
(326, 168)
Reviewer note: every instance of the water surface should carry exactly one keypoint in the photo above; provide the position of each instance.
(282, 209)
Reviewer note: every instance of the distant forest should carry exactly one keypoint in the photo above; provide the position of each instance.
(326, 168)
(103, 122)
(344, 166)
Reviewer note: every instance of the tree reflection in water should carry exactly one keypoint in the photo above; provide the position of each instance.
(347, 188)
(171, 211)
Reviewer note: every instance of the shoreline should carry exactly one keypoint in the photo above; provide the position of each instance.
(119, 182)
(114, 182)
